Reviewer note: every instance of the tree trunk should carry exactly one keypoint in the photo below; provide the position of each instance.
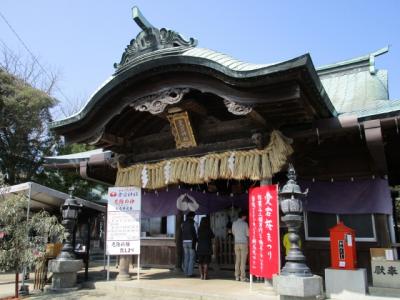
(16, 284)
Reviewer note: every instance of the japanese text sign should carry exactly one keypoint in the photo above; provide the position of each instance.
(264, 231)
(386, 273)
(123, 221)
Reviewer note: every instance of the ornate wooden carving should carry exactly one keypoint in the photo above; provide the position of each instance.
(237, 109)
(156, 103)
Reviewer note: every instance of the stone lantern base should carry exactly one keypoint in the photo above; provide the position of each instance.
(294, 287)
(64, 274)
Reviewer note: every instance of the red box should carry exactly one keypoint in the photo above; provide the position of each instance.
(343, 247)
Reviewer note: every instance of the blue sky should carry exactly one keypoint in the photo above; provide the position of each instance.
(82, 39)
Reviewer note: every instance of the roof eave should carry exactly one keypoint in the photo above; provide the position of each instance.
(118, 79)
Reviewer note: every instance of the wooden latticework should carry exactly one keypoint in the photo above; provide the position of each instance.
(224, 252)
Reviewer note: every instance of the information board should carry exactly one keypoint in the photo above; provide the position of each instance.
(123, 221)
(264, 238)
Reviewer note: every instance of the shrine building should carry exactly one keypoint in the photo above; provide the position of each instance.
(176, 119)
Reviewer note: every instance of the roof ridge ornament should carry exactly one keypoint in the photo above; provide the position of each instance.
(149, 40)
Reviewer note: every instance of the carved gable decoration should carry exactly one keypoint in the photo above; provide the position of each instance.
(182, 130)
(236, 108)
(156, 103)
(151, 39)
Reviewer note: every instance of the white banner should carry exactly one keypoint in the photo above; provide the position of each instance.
(123, 221)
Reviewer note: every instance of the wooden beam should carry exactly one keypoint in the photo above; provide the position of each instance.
(202, 149)
(112, 139)
(258, 119)
(205, 132)
(374, 139)
(194, 106)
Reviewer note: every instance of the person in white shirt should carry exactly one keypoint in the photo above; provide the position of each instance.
(240, 230)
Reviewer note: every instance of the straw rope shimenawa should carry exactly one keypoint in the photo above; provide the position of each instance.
(247, 164)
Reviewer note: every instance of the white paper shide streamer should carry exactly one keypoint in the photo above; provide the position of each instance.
(167, 172)
(202, 167)
(231, 162)
(144, 177)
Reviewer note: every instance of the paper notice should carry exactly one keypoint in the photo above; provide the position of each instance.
(349, 240)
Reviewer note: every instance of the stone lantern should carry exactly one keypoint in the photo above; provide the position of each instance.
(291, 205)
(295, 280)
(69, 211)
(66, 266)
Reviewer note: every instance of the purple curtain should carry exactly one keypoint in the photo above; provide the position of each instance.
(348, 197)
(163, 203)
(339, 197)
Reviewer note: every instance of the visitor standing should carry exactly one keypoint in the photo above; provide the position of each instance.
(204, 247)
(240, 230)
(189, 239)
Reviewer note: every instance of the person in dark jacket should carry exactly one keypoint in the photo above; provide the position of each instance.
(204, 247)
(189, 239)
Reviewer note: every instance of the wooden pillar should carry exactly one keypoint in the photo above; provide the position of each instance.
(87, 252)
(178, 241)
(382, 230)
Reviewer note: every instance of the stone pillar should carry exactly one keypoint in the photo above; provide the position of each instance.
(178, 242)
(124, 262)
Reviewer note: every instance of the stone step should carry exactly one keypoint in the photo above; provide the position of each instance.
(383, 292)
(134, 289)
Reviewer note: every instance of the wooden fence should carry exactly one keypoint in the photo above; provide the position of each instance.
(224, 252)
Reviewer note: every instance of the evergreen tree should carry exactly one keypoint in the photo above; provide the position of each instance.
(25, 139)
(24, 136)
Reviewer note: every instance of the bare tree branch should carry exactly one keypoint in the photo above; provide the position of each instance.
(28, 70)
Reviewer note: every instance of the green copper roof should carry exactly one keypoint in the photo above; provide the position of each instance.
(355, 91)
(379, 108)
(355, 84)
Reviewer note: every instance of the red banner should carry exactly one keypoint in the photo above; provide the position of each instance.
(264, 238)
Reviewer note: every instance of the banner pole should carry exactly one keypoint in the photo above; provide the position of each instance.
(108, 267)
(266, 182)
(138, 267)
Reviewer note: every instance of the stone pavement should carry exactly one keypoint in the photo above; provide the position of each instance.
(158, 284)
(153, 284)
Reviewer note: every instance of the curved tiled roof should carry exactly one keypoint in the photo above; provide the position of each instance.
(351, 85)
(196, 56)
(224, 59)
